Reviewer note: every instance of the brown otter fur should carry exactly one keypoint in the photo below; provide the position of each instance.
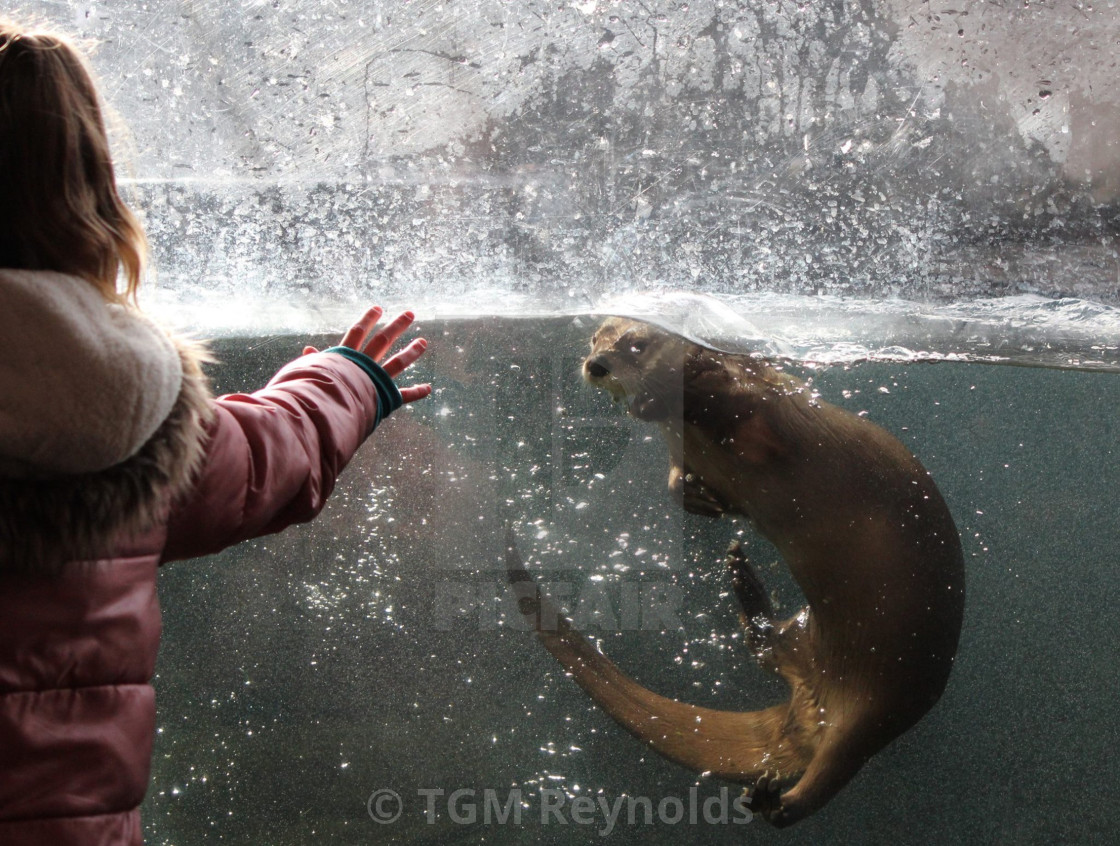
(864, 531)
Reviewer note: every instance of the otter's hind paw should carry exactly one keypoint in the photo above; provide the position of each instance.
(766, 799)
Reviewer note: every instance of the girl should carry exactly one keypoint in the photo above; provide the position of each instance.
(114, 458)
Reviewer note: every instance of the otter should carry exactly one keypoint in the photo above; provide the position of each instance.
(857, 519)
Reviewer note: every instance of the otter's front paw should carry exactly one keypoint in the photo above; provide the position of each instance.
(700, 500)
(750, 591)
(756, 611)
(694, 495)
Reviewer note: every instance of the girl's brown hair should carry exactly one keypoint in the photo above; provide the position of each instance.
(59, 206)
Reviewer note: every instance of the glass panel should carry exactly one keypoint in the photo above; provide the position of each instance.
(889, 200)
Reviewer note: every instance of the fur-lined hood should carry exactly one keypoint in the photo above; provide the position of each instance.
(102, 421)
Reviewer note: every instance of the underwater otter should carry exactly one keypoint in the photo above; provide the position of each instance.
(864, 531)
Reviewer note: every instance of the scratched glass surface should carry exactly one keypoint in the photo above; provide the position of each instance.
(479, 155)
(898, 200)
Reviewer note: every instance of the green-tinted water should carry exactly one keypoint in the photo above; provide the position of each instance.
(373, 649)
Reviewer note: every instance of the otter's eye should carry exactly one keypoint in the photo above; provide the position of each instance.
(638, 347)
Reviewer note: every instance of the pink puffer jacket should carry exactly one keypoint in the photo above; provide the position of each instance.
(78, 649)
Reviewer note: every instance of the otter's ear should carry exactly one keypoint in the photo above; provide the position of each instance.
(705, 370)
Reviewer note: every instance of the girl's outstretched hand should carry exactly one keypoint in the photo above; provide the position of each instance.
(358, 338)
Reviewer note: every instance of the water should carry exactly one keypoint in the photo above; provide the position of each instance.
(373, 649)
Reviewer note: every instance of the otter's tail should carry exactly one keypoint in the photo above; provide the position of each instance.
(738, 746)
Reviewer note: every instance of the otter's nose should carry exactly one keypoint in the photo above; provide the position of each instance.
(596, 367)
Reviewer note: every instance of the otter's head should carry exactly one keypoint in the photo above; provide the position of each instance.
(640, 365)
(663, 377)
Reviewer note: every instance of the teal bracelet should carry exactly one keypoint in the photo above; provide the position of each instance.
(389, 397)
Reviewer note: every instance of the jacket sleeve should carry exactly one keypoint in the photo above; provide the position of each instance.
(273, 456)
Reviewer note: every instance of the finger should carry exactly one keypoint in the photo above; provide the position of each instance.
(356, 335)
(415, 392)
(396, 365)
(309, 351)
(379, 344)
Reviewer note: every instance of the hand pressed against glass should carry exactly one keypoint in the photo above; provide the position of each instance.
(358, 338)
